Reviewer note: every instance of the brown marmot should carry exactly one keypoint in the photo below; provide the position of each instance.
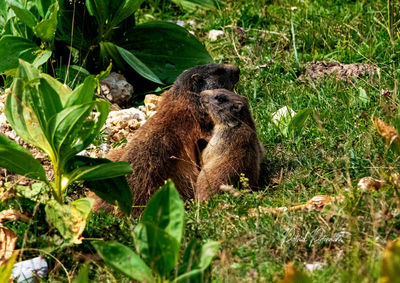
(233, 148)
(167, 145)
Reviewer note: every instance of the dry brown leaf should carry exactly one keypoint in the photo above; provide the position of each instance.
(8, 240)
(12, 215)
(369, 183)
(388, 132)
(316, 203)
(293, 275)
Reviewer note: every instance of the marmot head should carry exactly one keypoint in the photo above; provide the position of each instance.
(226, 107)
(210, 76)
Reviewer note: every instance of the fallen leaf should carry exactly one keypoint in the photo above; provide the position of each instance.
(293, 275)
(369, 183)
(12, 215)
(387, 131)
(8, 240)
(316, 203)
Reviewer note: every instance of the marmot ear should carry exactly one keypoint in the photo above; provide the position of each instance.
(235, 108)
(196, 82)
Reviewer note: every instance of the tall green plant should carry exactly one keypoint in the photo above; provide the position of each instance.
(61, 123)
(95, 32)
(158, 238)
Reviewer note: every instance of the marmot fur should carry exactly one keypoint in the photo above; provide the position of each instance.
(167, 145)
(234, 147)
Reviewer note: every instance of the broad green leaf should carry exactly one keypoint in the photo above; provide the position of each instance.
(102, 171)
(127, 8)
(138, 65)
(65, 129)
(109, 51)
(158, 249)
(192, 5)
(124, 260)
(22, 13)
(80, 69)
(165, 210)
(83, 275)
(196, 259)
(120, 57)
(69, 220)
(62, 90)
(43, 6)
(47, 28)
(112, 190)
(21, 111)
(18, 160)
(41, 58)
(298, 120)
(6, 269)
(83, 93)
(48, 102)
(12, 48)
(165, 48)
(75, 127)
(99, 9)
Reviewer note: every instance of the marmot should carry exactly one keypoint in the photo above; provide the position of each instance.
(233, 148)
(167, 145)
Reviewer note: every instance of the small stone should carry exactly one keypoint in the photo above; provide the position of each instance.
(314, 266)
(152, 99)
(215, 34)
(116, 89)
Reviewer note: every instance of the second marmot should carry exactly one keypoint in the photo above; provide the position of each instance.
(234, 147)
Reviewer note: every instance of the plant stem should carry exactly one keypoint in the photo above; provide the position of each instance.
(58, 192)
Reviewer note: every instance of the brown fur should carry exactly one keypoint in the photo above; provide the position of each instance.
(234, 147)
(166, 146)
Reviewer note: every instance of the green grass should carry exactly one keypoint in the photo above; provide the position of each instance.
(336, 147)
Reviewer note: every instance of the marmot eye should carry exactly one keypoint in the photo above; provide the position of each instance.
(220, 98)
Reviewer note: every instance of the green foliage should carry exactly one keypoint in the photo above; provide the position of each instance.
(60, 122)
(192, 5)
(157, 238)
(157, 51)
(21, 25)
(19, 160)
(6, 269)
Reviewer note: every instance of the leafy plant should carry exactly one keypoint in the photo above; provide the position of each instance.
(61, 123)
(101, 30)
(22, 26)
(192, 5)
(158, 238)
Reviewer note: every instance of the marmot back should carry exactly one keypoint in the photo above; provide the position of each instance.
(234, 147)
(166, 146)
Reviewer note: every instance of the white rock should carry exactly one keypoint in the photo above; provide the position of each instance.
(284, 113)
(215, 34)
(126, 114)
(25, 271)
(180, 23)
(314, 266)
